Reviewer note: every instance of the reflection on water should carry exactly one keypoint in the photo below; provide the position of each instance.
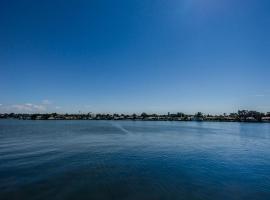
(134, 160)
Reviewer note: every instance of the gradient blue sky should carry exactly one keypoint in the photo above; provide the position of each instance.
(133, 56)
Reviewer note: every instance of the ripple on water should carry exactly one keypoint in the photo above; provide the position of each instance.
(134, 160)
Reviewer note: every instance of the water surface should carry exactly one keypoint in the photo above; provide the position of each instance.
(134, 160)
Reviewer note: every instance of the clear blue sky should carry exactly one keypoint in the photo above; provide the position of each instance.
(133, 56)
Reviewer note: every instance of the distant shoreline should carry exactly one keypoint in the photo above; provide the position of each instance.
(128, 120)
(240, 116)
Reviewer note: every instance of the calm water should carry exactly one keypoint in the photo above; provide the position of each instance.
(134, 160)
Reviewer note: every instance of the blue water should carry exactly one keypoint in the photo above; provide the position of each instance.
(134, 160)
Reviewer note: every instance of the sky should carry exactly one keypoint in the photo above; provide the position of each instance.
(155, 56)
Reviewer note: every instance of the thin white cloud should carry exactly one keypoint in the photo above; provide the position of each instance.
(46, 102)
(44, 106)
(39, 107)
(28, 107)
(260, 95)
